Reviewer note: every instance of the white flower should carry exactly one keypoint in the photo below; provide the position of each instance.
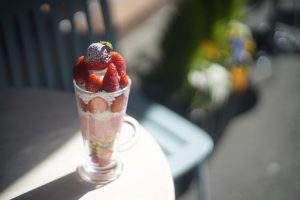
(215, 79)
(198, 79)
(219, 83)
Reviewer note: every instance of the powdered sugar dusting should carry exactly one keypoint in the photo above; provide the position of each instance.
(97, 53)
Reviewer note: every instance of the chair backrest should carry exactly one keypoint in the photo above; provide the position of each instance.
(40, 39)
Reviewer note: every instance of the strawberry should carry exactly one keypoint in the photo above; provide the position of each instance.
(97, 56)
(119, 103)
(83, 105)
(119, 61)
(93, 83)
(96, 66)
(123, 79)
(97, 105)
(111, 79)
(80, 71)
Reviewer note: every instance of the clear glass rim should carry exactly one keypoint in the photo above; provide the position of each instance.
(103, 92)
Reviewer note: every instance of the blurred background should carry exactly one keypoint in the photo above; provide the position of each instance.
(229, 67)
(232, 68)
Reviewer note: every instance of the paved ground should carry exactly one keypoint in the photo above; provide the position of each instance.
(258, 155)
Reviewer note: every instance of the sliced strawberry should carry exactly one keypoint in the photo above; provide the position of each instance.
(83, 105)
(123, 80)
(111, 79)
(119, 103)
(119, 61)
(97, 105)
(93, 83)
(80, 71)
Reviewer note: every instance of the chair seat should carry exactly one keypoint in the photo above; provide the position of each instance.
(185, 145)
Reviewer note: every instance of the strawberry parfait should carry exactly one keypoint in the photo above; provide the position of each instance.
(101, 90)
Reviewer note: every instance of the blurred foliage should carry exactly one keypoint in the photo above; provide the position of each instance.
(194, 21)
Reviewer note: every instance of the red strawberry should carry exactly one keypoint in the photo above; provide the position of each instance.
(83, 105)
(119, 103)
(123, 79)
(119, 61)
(98, 56)
(97, 105)
(111, 79)
(93, 66)
(80, 71)
(93, 83)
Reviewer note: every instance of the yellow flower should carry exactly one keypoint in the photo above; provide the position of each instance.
(210, 50)
(250, 46)
(239, 77)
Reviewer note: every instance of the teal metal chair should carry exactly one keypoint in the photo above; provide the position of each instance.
(186, 146)
(39, 41)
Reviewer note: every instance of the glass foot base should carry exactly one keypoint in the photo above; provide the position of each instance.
(100, 175)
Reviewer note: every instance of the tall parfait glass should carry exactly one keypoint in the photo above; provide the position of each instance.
(101, 116)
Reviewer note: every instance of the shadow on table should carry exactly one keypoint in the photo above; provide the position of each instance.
(66, 187)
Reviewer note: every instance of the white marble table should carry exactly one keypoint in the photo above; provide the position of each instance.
(40, 147)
